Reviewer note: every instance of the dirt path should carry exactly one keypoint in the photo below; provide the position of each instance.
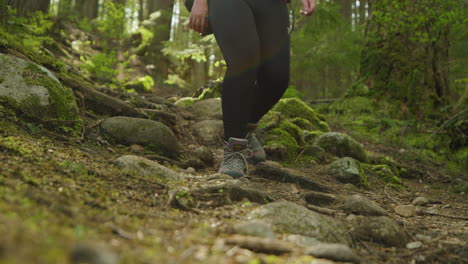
(57, 194)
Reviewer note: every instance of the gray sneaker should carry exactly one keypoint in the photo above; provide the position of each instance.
(235, 158)
(258, 153)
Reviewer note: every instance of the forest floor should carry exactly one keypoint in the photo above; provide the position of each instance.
(57, 193)
(63, 200)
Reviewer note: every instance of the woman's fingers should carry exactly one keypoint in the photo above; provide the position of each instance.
(198, 23)
(308, 7)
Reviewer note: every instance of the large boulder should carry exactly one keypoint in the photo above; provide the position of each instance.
(35, 91)
(288, 128)
(342, 145)
(207, 109)
(155, 135)
(288, 217)
(144, 167)
(210, 132)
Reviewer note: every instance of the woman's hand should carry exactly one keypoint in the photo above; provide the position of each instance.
(198, 16)
(308, 7)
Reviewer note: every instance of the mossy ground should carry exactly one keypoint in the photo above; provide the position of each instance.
(412, 140)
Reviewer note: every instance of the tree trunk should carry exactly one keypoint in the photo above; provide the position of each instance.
(87, 9)
(406, 57)
(25, 6)
(161, 27)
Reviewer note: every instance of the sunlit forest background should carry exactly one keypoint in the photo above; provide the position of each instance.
(327, 53)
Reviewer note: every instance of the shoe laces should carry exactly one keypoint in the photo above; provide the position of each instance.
(229, 153)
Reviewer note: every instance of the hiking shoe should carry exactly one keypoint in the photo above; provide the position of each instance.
(258, 153)
(235, 157)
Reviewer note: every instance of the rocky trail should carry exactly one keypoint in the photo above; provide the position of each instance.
(136, 190)
(95, 176)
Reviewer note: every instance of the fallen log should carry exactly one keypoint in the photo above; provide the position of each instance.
(100, 102)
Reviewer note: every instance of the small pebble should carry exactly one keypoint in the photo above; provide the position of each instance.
(414, 245)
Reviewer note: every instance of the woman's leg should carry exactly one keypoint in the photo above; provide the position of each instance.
(234, 27)
(272, 21)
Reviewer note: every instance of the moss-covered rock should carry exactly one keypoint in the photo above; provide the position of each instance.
(348, 170)
(384, 172)
(185, 101)
(33, 90)
(342, 145)
(288, 128)
(295, 108)
(155, 135)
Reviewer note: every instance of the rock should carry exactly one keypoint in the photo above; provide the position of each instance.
(315, 151)
(358, 204)
(414, 245)
(210, 132)
(184, 102)
(155, 135)
(406, 210)
(302, 241)
(32, 89)
(145, 167)
(205, 155)
(336, 252)
(342, 145)
(255, 228)
(207, 109)
(295, 108)
(272, 170)
(380, 229)
(348, 170)
(319, 198)
(190, 170)
(91, 253)
(288, 217)
(135, 148)
(421, 201)
(194, 163)
(276, 151)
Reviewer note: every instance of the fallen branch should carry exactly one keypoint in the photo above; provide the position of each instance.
(98, 101)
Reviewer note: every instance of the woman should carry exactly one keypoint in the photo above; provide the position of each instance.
(254, 39)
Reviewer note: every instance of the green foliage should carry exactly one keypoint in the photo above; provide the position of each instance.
(28, 33)
(325, 53)
(101, 65)
(112, 22)
(406, 55)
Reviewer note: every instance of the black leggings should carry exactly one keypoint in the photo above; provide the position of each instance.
(254, 39)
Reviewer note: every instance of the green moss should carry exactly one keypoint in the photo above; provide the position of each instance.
(291, 129)
(342, 145)
(309, 137)
(293, 108)
(302, 123)
(383, 172)
(17, 146)
(278, 136)
(63, 100)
